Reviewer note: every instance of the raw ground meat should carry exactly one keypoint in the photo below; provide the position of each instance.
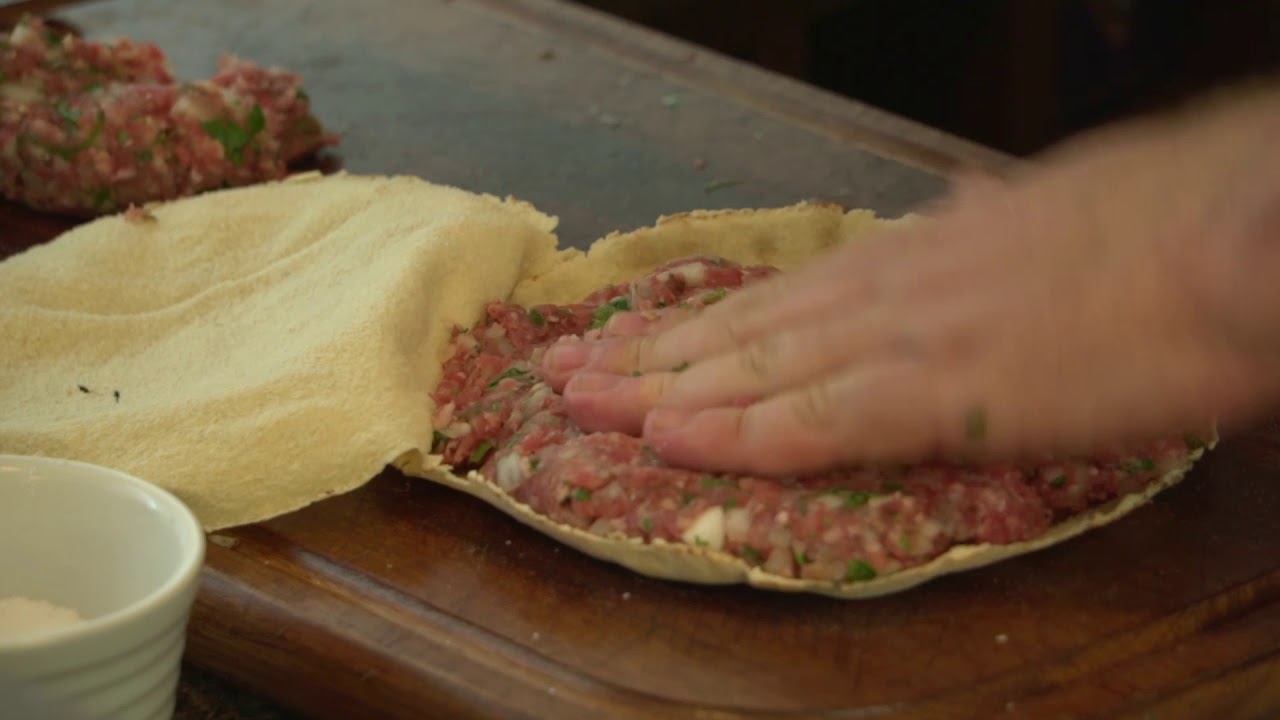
(90, 128)
(494, 413)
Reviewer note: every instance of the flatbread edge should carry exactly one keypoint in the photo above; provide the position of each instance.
(677, 561)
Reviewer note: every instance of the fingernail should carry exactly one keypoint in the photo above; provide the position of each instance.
(567, 356)
(665, 420)
(593, 382)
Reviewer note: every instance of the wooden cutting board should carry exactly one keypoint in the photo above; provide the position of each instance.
(407, 600)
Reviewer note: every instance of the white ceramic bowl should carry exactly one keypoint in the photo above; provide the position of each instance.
(122, 553)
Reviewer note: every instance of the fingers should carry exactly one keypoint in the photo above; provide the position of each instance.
(740, 319)
(882, 413)
(773, 363)
(605, 402)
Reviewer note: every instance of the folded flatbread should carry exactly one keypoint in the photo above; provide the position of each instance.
(253, 350)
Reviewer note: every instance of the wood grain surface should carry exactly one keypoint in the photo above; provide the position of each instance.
(407, 600)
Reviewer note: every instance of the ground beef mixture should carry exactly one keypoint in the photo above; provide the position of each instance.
(494, 413)
(90, 128)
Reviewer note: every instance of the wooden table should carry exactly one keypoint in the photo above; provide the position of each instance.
(403, 599)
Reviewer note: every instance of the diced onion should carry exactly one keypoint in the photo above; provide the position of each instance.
(737, 524)
(443, 415)
(694, 273)
(780, 562)
(510, 471)
(707, 530)
(456, 430)
(533, 401)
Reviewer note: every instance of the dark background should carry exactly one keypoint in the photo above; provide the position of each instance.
(1013, 74)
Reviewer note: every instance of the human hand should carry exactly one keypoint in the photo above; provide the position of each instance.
(1110, 294)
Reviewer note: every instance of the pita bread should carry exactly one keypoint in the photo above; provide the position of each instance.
(270, 345)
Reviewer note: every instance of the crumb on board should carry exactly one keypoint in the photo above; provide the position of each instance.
(224, 541)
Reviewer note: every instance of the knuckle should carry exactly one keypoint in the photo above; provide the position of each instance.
(637, 350)
(814, 408)
(732, 329)
(759, 358)
(659, 386)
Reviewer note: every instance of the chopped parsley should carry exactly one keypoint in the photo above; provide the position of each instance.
(801, 557)
(69, 152)
(102, 198)
(66, 113)
(536, 318)
(1058, 481)
(1139, 465)
(731, 503)
(752, 555)
(533, 463)
(706, 482)
(714, 296)
(480, 452)
(975, 425)
(606, 311)
(438, 438)
(681, 367)
(647, 524)
(859, 571)
(233, 136)
(686, 498)
(904, 542)
(636, 373)
(891, 486)
(302, 95)
(581, 494)
(700, 542)
(849, 498)
(510, 373)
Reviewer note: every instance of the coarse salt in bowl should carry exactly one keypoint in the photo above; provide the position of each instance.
(98, 572)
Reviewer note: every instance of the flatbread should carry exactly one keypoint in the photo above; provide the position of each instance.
(783, 238)
(270, 346)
